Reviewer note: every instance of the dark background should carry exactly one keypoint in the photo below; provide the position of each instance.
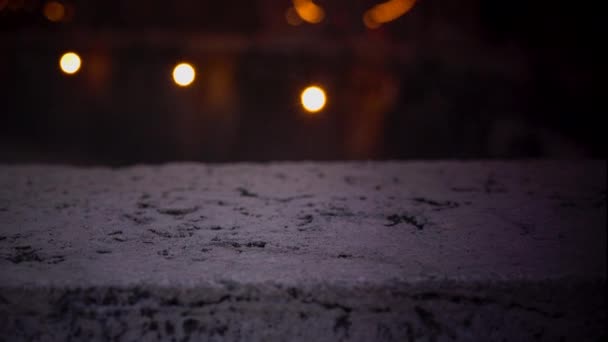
(449, 79)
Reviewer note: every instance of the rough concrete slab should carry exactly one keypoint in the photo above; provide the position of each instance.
(299, 251)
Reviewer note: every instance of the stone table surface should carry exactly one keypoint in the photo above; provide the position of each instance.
(307, 226)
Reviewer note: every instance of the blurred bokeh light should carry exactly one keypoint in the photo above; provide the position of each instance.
(313, 99)
(70, 63)
(386, 12)
(54, 11)
(309, 11)
(184, 74)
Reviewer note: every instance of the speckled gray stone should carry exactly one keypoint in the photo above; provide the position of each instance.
(356, 251)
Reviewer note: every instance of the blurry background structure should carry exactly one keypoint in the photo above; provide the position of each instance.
(402, 79)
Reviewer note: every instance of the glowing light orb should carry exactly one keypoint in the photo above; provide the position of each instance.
(183, 74)
(309, 11)
(386, 12)
(54, 11)
(70, 63)
(313, 99)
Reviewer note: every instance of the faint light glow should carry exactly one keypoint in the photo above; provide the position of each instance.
(54, 11)
(309, 11)
(386, 11)
(15, 5)
(313, 99)
(3, 4)
(98, 70)
(292, 17)
(220, 93)
(70, 63)
(183, 74)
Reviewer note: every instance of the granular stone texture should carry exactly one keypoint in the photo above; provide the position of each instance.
(357, 251)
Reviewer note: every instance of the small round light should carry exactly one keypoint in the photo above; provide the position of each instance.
(313, 99)
(183, 74)
(54, 11)
(70, 63)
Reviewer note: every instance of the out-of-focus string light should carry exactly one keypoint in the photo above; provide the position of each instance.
(309, 11)
(70, 63)
(54, 11)
(386, 11)
(292, 17)
(183, 74)
(313, 99)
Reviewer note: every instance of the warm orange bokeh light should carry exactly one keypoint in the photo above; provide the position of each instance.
(54, 11)
(309, 11)
(386, 11)
(70, 63)
(183, 74)
(313, 99)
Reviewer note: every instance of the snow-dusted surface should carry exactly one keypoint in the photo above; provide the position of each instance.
(521, 231)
